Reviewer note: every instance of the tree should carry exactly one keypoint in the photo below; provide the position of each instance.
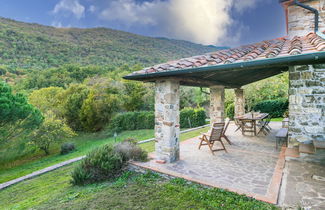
(97, 110)
(133, 95)
(51, 131)
(17, 116)
(73, 99)
(48, 99)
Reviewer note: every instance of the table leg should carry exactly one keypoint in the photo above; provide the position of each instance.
(254, 123)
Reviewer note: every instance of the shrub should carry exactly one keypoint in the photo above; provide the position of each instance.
(190, 117)
(129, 150)
(106, 162)
(230, 111)
(133, 121)
(276, 108)
(67, 148)
(100, 164)
(146, 120)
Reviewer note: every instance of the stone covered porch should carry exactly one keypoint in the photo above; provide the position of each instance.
(252, 165)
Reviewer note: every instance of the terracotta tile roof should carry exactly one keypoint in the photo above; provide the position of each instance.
(275, 48)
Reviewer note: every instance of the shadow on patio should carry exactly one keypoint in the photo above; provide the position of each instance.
(252, 165)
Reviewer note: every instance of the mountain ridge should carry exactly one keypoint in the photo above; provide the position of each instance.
(31, 45)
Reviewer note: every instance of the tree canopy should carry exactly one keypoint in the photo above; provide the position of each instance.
(16, 114)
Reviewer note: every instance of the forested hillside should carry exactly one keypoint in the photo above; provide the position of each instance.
(26, 45)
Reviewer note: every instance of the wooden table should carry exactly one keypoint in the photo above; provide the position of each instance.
(253, 118)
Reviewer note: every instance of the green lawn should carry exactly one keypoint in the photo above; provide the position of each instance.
(131, 191)
(84, 143)
(279, 119)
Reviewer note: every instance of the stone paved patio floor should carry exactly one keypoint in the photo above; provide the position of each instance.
(252, 165)
(304, 184)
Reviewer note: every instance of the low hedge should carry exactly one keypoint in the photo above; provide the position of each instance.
(191, 118)
(133, 121)
(276, 108)
(146, 120)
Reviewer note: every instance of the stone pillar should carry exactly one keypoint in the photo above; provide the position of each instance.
(167, 126)
(306, 104)
(217, 104)
(239, 102)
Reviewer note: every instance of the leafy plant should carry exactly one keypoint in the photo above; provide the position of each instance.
(67, 148)
(190, 117)
(230, 111)
(106, 162)
(133, 121)
(276, 108)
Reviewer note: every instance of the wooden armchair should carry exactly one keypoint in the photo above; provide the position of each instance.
(215, 134)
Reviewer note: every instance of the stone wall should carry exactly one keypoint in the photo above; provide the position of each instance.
(167, 126)
(306, 104)
(217, 104)
(301, 21)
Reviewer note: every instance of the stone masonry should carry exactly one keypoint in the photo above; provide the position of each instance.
(167, 126)
(307, 104)
(217, 105)
(301, 21)
(239, 102)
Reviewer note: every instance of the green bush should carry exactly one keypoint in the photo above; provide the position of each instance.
(230, 111)
(106, 162)
(276, 108)
(146, 120)
(190, 117)
(67, 148)
(133, 121)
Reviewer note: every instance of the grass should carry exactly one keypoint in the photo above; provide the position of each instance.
(279, 119)
(84, 143)
(130, 191)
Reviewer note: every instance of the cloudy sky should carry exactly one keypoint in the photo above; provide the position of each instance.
(217, 22)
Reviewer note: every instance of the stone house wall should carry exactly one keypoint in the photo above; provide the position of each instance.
(306, 104)
(301, 21)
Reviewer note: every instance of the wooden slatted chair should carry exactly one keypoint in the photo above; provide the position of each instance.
(224, 131)
(208, 139)
(247, 126)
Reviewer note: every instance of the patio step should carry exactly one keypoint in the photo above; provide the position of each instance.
(307, 148)
(319, 144)
(292, 152)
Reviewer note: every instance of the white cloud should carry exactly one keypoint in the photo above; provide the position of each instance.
(241, 5)
(71, 6)
(92, 8)
(57, 24)
(200, 21)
